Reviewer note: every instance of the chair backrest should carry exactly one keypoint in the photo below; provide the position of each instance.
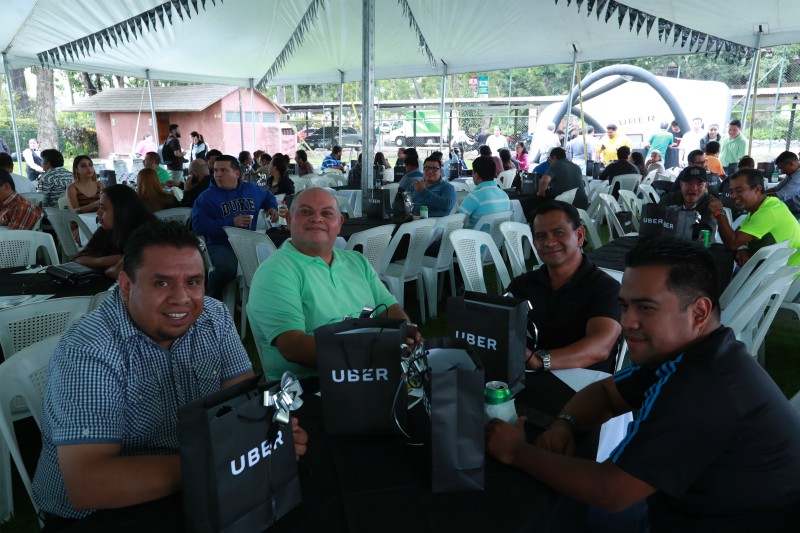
(649, 194)
(567, 196)
(628, 182)
(388, 175)
(751, 322)
(333, 171)
(448, 225)
(245, 244)
(514, 234)
(344, 205)
(98, 298)
(18, 248)
(460, 186)
(24, 375)
(468, 244)
(25, 324)
(393, 188)
(323, 181)
(630, 202)
(373, 242)
(460, 195)
(36, 198)
(491, 225)
(61, 220)
(506, 177)
(591, 230)
(63, 202)
(179, 214)
(651, 176)
(420, 233)
(765, 261)
(302, 183)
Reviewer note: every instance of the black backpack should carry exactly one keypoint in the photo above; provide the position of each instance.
(166, 156)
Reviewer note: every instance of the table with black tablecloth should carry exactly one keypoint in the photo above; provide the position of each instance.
(612, 256)
(382, 484)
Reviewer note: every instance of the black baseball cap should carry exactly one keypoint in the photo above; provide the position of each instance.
(694, 172)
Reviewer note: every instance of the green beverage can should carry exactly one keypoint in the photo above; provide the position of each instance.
(705, 238)
(496, 392)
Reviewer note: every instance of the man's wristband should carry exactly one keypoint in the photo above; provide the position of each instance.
(568, 418)
(718, 213)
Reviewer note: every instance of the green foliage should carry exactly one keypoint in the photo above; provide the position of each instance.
(78, 140)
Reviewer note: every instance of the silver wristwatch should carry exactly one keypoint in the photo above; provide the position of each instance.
(544, 355)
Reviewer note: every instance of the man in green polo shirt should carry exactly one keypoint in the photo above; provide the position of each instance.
(769, 220)
(734, 145)
(307, 284)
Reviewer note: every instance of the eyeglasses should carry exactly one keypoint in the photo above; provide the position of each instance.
(431, 169)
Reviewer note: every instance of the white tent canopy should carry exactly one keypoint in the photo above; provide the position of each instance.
(233, 41)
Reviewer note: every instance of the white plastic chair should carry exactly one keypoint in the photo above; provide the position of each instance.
(387, 176)
(491, 225)
(468, 244)
(506, 178)
(246, 245)
(628, 182)
(611, 207)
(302, 183)
(460, 186)
(651, 176)
(344, 205)
(396, 274)
(514, 235)
(795, 401)
(36, 198)
(649, 194)
(98, 298)
(22, 381)
(393, 188)
(630, 202)
(25, 324)
(373, 243)
(323, 181)
(433, 268)
(61, 220)
(591, 230)
(18, 248)
(765, 261)
(229, 292)
(179, 214)
(752, 321)
(567, 196)
(63, 202)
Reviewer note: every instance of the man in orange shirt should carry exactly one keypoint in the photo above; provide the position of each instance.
(712, 161)
(16, 212)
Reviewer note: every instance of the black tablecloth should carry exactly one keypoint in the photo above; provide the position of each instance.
(350, 226)
(12, 284)
(612, 255)
(371, 484)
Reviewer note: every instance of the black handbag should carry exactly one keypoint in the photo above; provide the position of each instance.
(376, 204)
(529, 183)
(667, 220)
(360, 374)
(625, 219)
(238, 465)
(453, 396)
(496, 328)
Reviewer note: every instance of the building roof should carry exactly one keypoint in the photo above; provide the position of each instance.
(165, 99)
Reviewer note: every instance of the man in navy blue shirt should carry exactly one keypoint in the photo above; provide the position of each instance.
(715, 445)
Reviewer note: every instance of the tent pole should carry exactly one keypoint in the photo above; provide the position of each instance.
(775, 107)
(753, 74)
(20, 159)
(241, 119)
(571, 87)
(341, 103)
(253, 112)
(367, 95)
(152, 107)
(441, 108)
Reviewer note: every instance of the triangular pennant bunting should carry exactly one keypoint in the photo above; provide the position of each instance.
(650, 20)
(622, 11)
(589, 7)
(600, 5)
(640, 21)
(612, 8)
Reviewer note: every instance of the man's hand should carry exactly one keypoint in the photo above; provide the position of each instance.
(503, 441)
(242, 221)
(715, 204)
(420, 185)
(742, 256)
(558, 439)
(532, 362)
(273, 215)
(300, 439)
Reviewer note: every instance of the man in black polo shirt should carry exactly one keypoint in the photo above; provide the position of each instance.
(575, 305)
(715, 445)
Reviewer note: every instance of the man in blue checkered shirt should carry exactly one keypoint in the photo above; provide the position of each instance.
(333, 159)
(117, 378)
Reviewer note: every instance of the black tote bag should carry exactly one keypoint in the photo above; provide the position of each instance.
(529, 183)
(360, 374)
(496, 328)
(376, 204)
(453, 396)
(238, 467)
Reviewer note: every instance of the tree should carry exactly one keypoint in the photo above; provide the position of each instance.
(46, 108)
(20, 89)
(88, 86)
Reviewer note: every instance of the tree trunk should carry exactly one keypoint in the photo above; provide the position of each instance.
(120, 81)
(46, 109)
(20, 90)
(280, 95)
(98, 82)
(91, 90)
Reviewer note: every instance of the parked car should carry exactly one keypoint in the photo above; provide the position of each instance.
(328, 136)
